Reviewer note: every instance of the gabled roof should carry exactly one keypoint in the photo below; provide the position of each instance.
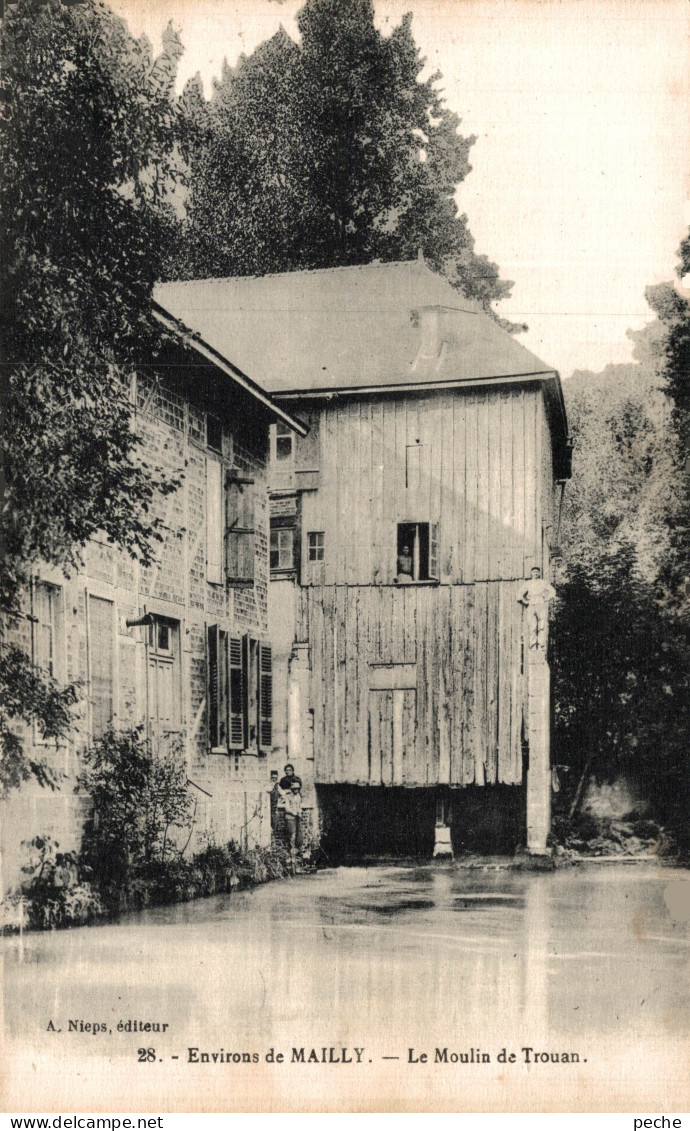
(357, 330)
(346, 328)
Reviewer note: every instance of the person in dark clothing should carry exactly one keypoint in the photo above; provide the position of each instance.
(289, 777)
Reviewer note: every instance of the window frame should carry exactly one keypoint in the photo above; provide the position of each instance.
(161, 657)
(282, 566)
(313, 548)
(425, 553)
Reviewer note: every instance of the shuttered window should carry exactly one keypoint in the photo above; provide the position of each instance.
(240, 692)
(239, 529)
(217, 687)
(265, 698)
(238, 728)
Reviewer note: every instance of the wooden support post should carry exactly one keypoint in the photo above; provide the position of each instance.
(442, 841)
(539, 772)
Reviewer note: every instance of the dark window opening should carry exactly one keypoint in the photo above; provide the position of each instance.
(214, 433)
(417, 552)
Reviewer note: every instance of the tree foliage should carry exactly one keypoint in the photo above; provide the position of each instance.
(139, 801)
(621, 664)
(328, 152)
(87, 156)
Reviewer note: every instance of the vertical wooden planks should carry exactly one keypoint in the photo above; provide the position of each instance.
(505, 560)
(480, 728)
(493, 402)
(532, 545)
(482, 515)
(388, 560)
(443, 632)
(323, 763)
(398, 741)
(409, 598)
(457, 530)
(504, 767)
(340, 678)
(516, 679)
(377, 477)
(492, 674)
(518, 554)
(469, 663)
(447, 517)
(409, 729)
(364, 517)
(423, 689)
(471, 489)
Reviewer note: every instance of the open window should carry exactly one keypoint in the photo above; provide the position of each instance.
(417, 552)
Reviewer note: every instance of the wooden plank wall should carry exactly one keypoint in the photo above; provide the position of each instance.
(459, 723)
(483, 474)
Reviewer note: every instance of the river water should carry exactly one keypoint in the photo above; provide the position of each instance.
(397, 962)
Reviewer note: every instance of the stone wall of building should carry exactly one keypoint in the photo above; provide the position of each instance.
(230, 791)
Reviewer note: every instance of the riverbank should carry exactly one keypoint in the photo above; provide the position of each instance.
(59, 892)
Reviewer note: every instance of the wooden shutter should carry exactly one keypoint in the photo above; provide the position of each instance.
(214, 519)
(237, 715)
(214, 685)
(239, 529)
(433, 551)
(265, 698)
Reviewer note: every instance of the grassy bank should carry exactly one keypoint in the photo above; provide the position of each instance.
(60, 890)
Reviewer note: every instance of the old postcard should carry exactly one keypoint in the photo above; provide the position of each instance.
(345, 614)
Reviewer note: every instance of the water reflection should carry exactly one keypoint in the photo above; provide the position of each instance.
(409, 955)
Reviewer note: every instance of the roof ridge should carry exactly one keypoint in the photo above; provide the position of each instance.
(300, 271)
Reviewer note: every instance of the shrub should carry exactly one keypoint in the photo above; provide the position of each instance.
(139, 800)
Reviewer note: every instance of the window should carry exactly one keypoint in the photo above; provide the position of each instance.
(282, 456)
(101, 648)
(214, 522)
(240, 692)
(417, 552)
(315, 543)
(47, 639)
(239, 529)
(214, 433)
(282, 549)
(164, 683)
(284, 443)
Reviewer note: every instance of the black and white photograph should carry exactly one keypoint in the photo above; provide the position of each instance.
(345, 575)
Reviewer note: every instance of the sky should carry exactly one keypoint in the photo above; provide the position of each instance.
(581, 170)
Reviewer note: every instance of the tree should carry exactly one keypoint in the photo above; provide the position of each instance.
(328, 152)
(138, 802)
(667, 344)
(621, 668)
(87, 152)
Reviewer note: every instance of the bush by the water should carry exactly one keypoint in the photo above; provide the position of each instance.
(132, 856)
